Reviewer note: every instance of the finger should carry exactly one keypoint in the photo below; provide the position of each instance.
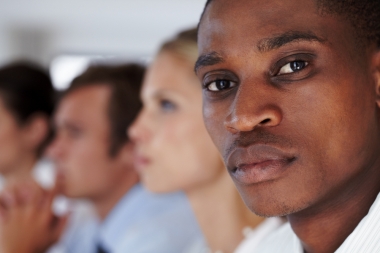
(50, 195)
(3, 213)
(59, 226)
(29, 192)
(8, 199)
(46, 209)
(10, 204)
(34, 197)
(23, 190)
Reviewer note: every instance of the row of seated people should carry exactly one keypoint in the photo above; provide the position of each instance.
(291, 101)
(140, 176)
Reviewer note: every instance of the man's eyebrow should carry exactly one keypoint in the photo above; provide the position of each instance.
(208, 60)
(277, 41)
(71, 126)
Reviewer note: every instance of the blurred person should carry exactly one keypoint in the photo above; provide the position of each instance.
(26, 105)
(27, 221)
(292, 101)
(94, 160)
(174, 151)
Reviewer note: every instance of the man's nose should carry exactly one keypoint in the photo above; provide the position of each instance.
(54, 150)
(253, 107)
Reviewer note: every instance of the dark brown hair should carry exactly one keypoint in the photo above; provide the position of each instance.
(26, 90)
(124, 103)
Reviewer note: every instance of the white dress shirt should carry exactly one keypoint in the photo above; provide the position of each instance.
(364, 239)
(256, 235)
(141, 222)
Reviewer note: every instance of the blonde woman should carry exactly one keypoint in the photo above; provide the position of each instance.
(174, 151)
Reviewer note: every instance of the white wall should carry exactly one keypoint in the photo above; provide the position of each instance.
(42, 29)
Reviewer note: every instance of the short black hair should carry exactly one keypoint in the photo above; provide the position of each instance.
(364, 15)
(26, 90)
(124, 103)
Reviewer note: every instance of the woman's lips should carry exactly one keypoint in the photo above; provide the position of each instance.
(258, 163)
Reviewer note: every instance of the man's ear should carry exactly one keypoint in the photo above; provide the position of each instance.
(36, 131)
(126, 154)
(376, 61)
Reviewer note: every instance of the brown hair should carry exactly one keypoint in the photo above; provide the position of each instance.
(26, 90)
(124, 103)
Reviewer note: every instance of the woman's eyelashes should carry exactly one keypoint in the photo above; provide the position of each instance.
(166, 105)
(219, 85)
(292, 67)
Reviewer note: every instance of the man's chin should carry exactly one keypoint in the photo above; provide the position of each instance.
(268, 211)
(270, 205)
(69, 193)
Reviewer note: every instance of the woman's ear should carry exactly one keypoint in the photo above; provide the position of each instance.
(35, 131)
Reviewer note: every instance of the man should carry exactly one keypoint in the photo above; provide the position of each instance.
(292, 100)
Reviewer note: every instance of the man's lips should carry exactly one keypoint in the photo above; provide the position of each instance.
(60, 178)
(60, 172)
(140, 161)
(258, 163)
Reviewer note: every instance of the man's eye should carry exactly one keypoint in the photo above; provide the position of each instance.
(292, 67)
(219, 85)
(74, 133)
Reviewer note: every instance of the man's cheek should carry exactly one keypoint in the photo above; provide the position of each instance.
(215, 130)
(209, 109)
(211, 118)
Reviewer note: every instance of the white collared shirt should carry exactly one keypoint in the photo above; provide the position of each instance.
(256, 235)
(364, 239)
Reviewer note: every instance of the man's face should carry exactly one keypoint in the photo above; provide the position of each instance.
(290, 102)
(81, 147)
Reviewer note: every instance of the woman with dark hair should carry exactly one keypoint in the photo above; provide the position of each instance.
(26, 104)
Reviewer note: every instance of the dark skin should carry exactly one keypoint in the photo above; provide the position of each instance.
(292, 104)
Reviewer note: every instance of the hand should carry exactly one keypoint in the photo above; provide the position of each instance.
(27, 223)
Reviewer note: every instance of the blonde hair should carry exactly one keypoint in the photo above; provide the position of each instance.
(184, 45)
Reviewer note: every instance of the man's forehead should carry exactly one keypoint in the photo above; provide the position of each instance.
(244, 18)
(87, 97)
(237, 27)
(261, 8)
(87, 104)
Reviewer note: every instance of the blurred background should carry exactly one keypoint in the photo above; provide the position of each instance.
(66, 35)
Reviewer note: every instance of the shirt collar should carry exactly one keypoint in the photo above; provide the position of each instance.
(364, 234)
(121, 216)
